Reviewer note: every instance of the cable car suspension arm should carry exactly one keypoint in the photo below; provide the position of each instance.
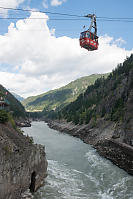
(93, 23)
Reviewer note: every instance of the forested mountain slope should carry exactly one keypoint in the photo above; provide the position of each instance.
(111, 98)
(58, 98)
(14, 105)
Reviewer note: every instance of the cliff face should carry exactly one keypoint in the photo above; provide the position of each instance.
(23, 165)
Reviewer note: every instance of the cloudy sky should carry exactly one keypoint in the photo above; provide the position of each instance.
(39, 53)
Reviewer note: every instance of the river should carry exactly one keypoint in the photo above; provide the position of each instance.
(75, 169)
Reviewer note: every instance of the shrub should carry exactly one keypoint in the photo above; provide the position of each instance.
(3, 116)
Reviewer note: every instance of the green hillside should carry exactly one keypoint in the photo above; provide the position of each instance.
(58, 98)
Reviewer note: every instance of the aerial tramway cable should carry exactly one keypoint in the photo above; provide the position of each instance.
(79, 17)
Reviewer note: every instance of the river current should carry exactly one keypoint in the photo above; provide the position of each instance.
(75, 169)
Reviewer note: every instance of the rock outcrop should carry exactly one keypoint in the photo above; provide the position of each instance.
(23, 165)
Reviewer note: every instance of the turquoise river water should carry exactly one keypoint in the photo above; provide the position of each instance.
(75, 169)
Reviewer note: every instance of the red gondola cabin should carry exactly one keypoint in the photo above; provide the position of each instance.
(88, 40)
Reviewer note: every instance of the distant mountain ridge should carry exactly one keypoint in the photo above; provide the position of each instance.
(18, 97)
(58, 98)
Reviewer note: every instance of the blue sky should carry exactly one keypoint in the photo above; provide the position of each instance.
(102, 8)
(42, 54)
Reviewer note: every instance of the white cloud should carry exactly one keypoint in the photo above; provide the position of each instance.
(57, 2)
(9, 4)
(23, 85)
(45, 62)
(45, 3)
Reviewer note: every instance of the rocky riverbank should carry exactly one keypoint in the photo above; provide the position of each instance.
(23, 123)
(109, 138)
(23, 165)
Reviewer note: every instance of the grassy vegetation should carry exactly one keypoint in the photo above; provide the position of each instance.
(11, 120)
